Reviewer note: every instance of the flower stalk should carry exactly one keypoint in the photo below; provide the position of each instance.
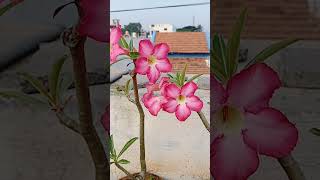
(204, 120)
(291, 167)
(87, 128)
(141, 115)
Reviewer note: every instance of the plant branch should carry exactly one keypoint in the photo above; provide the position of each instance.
(87, 128)
(68, 121)
(141, 114)
(124, 170)
(204, 120)
(291, 167)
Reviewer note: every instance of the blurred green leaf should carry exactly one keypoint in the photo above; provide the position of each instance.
(123, 161)
(271, 50)
(183, 75)
(127, 145)
(131, 45)
(234, 43)
(6, 8)
(22, 98)
(194, 77)
(64, 83)
(113, 152)
(315, 131)
(123, 43)
(54, 77)
(126, 90)
(37, 84)
(134, 55)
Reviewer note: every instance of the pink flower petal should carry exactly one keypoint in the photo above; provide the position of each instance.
(146, 97)
(154, 105)
(172, 91)
(170, 106)
(232, 159)
(152, 87)
(153, 74)
(164, 81)
(189, 89)
(252, 88)
(145, 48)
(270, 133)
(105, 119)
(194, 103)
(161, 51)
(116, 51)
(164, 65)
(115, 35)
(93, 21)
(141, 66)
(218, 95)
(182, 112)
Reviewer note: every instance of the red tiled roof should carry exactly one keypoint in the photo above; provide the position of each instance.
(184, 42)
(272, 19)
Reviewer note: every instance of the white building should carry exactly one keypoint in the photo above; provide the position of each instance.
(162, 28)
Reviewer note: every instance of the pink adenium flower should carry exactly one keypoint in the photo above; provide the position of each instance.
(154, 103)
(245, 125)
(153, 60)
(93, 20)
(115, 48)
(182, 101)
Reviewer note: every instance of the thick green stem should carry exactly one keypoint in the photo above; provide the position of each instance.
(141, 114)
(87, 128)
(204, 121)
(291, 167)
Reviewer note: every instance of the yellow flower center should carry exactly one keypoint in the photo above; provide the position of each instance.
(181, 99)
(152, 60)
(229, 119)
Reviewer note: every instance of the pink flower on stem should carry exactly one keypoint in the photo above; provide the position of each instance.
(245, 125)
(182, 101)
(115, 48)
(154, 103)
(93, 20)
(153, 60)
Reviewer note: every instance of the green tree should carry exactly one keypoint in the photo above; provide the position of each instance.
(132, 27)
(190, 29)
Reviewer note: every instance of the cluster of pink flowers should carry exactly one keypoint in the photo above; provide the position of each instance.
(152, 62)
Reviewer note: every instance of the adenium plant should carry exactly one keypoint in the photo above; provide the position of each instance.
(243, 123)
(172, 94)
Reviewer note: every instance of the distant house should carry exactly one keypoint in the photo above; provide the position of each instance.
(187, 48)
(162, 28)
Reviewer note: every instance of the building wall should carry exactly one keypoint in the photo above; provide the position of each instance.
(162, 28)
(195, 65)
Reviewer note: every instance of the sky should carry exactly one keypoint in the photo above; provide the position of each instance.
(178, 16)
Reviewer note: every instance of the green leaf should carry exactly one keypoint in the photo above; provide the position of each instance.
(6, 8)
(64, 83)
(126, 89)
(54, 77)
(127, 145)
(37, 84)
(271, 50)
(170, 76)
(113, 152)
(22, 98)
(123, 43)
(123, 161)
(234, 43)
(183, 75)
(134, 55)
(57, 10)
(315, 131)
(131, 45)
(194, 77)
